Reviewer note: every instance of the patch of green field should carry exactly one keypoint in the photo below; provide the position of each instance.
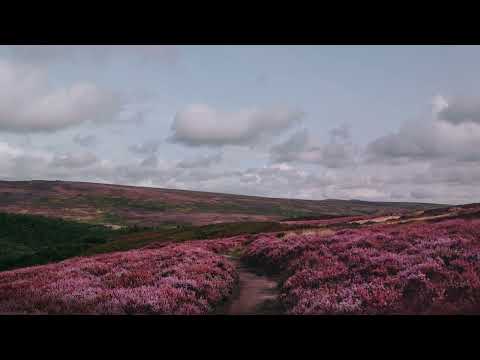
(101, 202)
(106, 202)
(31, 240)
(178, 233)
(111, 217)
(27, 240)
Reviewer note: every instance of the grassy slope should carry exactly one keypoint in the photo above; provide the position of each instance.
(135, 240)
(27, 240)
(128, 205)
(31, 240)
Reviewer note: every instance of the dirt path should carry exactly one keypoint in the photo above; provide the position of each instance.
(256, 294)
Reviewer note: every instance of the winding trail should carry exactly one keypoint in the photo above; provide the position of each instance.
(256, 293)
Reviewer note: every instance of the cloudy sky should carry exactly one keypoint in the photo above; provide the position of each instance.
(393, 123)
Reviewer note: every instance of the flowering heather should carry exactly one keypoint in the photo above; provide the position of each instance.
(222, 245)
(389, 269)
(218, 246)
(175, 279)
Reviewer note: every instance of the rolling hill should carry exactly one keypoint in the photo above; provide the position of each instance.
(118, 205)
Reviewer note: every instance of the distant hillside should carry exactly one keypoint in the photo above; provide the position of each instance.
(129, 205)
(31, 240)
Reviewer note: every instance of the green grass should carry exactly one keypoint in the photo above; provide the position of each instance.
(27, 240)
(31, 240)
(122, 202)
(168, 233)
(110, 203)
(250, 209)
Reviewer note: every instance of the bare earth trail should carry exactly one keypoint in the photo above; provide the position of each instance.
(255, 295)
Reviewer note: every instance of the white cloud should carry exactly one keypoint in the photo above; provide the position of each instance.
(148, 147)
(447, 136)
(410, 181)
(422, 194)
(458, 110)
(85, 140)
(29, 104)
(302, 147)
(201, 161)
(200, 124)
(150, 161)
(17, 163)
(341, 133)
(7, 150)
(70, 160)
(439, 103)
(431, 140)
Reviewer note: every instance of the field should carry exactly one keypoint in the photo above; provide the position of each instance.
(410, 261)
(399, 269)
(30, 240)
(178, 279)
(116, 205)
(33, 240)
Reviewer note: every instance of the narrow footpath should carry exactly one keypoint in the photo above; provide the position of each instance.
(256, 294)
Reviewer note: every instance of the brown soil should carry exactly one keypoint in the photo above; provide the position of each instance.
(256, 294)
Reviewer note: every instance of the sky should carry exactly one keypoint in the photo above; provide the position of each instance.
(380, 123)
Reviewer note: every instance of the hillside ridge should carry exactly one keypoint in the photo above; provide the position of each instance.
(218, 193)
(126, 205)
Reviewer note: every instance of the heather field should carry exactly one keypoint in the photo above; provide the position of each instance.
(420, 262)
(421, 267)
(424, 268)
(179, 280)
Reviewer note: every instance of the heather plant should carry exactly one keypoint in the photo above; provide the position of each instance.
(174, 279)
(422, 268)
